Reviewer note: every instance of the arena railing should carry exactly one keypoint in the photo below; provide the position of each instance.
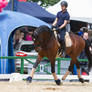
(34, 57)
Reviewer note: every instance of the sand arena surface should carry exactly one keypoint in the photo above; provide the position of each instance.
(45, 86)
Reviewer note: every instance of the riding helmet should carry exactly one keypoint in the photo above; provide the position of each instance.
(64, 3)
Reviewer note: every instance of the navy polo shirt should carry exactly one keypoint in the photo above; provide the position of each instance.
(62, 16)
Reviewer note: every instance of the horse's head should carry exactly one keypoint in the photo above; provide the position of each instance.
(41, 36)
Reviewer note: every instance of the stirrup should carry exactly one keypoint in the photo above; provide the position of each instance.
(61, 53)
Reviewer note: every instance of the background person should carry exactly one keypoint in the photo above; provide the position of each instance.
(21, 38)
(29, 36)
(16, 38)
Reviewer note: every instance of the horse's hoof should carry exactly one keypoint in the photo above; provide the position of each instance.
(29, 79)
(81, 80)
(58, 82)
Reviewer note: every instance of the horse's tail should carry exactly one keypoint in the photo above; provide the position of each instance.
(89, 55)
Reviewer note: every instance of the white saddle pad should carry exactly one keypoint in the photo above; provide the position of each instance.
(68, 40)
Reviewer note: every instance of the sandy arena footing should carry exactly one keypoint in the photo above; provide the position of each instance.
(45, 86)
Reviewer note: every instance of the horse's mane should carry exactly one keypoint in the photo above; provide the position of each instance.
(42, 29)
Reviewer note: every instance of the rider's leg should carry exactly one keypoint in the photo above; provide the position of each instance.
(78, 71)
(29, 78)
(58, 82)
(70, 69)
(62, 44)
(61, 39)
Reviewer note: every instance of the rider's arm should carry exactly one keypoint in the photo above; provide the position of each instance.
(66, 21)
(64, 24)
(55, 22)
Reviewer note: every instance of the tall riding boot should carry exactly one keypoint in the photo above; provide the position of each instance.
(61, 51)
(62, 45)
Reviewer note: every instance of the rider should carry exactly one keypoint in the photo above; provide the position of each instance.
(60, 23)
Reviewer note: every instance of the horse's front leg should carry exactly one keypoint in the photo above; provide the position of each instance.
(58, 82)
(29, 78)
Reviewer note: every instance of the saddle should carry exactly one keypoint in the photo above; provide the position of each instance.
(68, 41)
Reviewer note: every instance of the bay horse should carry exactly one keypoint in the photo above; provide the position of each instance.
(47, 46)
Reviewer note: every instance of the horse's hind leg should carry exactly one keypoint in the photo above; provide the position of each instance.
(29, 79)
(58, 82)
(70, 69)
(78, 71)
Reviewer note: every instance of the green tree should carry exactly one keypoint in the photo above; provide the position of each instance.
(46, 3)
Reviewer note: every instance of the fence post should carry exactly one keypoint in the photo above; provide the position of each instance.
(58, 65)
(22, 66)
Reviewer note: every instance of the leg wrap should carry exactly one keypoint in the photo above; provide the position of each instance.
(53, 69)
(36, 64)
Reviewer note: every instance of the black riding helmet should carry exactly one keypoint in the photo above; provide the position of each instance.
(64, 3)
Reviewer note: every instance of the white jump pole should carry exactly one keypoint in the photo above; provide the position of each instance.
(90, 74)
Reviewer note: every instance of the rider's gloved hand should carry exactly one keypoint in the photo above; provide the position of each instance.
(52, 27)
(55, 28)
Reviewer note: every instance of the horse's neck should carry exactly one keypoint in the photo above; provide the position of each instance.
(52, 42)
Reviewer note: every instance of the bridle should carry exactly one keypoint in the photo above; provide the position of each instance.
(35, 37)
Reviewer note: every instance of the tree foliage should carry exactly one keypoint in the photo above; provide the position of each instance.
(45, 3)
